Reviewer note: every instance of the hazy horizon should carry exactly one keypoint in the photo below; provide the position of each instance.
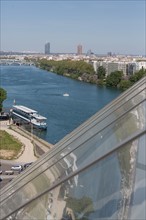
(99, 26)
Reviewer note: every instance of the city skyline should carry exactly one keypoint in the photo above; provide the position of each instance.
(99, 26)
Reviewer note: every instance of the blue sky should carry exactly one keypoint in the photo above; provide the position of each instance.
(102, 26)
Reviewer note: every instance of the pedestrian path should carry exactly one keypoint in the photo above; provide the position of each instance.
(28, 152)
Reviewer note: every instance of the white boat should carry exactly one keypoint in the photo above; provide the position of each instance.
(65, 94)
(21, 113)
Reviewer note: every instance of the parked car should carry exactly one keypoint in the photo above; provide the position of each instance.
(1, 179)
(27, 165)
(1, 171)
(4, 116)
(9, 172)
(17, 167)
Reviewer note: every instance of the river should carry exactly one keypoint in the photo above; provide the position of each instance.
(43, 91)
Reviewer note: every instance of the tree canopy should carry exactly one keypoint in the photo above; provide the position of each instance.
(84, 71)
(101, 72)
(138, 75)
(74, 69)
(3, 96)
(114, 79)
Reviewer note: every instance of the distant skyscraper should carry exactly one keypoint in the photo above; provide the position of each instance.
(89, 52)
(47, 48)
(79, 49)
(109, 54)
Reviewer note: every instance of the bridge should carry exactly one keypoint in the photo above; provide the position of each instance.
(14, 62)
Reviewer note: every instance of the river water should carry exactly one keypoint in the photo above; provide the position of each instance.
(43, 91)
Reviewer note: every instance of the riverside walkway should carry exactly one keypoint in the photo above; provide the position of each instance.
(34, 147)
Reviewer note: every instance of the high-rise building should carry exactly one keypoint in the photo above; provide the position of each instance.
(109, 54)
(79, 49)
(47, 48)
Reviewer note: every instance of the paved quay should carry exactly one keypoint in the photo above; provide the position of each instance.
(30, 143)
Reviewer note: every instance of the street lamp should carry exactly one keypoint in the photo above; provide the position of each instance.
(31, 131)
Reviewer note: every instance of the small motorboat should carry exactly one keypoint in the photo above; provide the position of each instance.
(65, 94)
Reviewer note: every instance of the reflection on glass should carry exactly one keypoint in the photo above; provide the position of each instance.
(97, 174)
(102, 191)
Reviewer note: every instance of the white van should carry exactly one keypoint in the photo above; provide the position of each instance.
(9, 172)
(17, 168)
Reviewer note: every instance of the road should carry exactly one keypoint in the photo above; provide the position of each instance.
(6, 165)
(26, 157)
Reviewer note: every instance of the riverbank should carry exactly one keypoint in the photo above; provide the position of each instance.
(32, 148)
(83, 71)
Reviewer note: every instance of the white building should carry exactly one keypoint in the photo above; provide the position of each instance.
(140, 65)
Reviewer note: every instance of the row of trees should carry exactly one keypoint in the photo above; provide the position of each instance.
(73, 69)
(117, 78)
(84, 71)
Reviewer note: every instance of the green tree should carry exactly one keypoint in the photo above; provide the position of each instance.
(3, 96)
(101, 72)
(125, 84)
(138, 75)
(114, 79)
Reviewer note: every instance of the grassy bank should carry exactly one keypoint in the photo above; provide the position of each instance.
(10, 147)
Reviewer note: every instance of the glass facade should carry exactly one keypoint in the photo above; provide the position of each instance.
(98, 171)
